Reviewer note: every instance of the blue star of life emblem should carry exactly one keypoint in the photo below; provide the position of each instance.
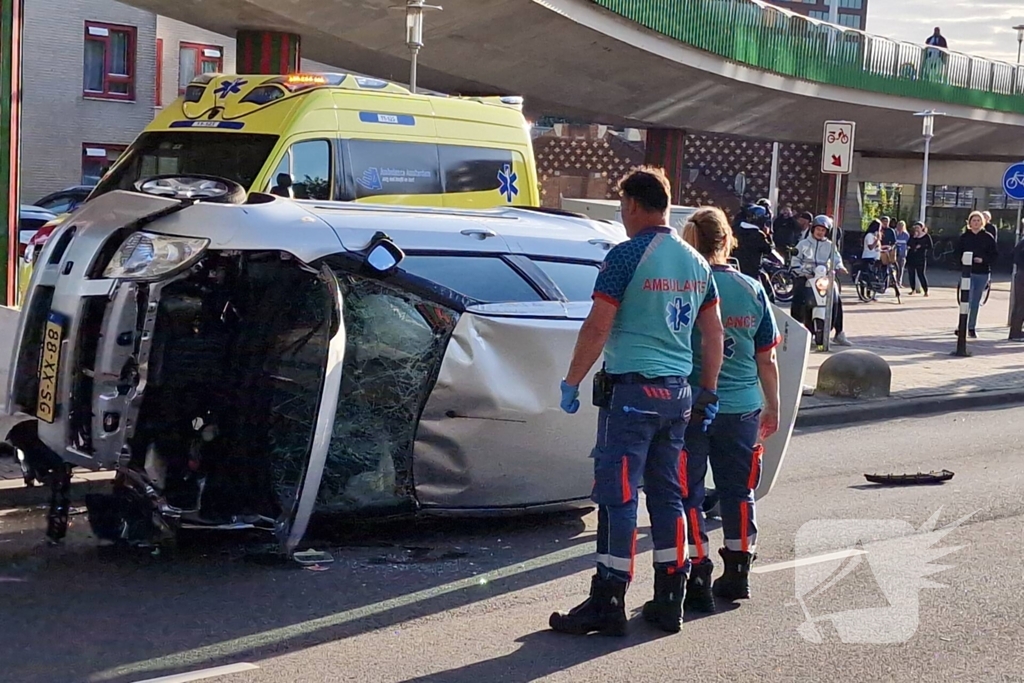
(371, 180)
(507, 179)
(678, 314)
(229, 88)
(730, 347)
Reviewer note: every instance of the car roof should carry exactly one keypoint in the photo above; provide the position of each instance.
(516, 230)
(30, 211)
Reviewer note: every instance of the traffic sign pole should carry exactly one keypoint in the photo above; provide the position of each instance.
(837, 161)
(1013, 186)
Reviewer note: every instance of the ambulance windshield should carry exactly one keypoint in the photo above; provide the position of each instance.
(236, 156)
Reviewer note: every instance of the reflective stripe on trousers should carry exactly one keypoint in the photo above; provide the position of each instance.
(640, 439)
(730, 447)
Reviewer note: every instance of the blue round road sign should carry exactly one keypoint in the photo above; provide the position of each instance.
(1013, 181)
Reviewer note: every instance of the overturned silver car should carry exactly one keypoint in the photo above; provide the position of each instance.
(244, 362)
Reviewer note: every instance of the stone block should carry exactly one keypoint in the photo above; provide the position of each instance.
(855, 373)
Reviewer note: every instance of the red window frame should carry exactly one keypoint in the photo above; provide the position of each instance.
(108, 148)
(159, 95)
(201, 59)
(108, 78)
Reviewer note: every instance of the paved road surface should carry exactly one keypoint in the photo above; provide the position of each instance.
(472, 604)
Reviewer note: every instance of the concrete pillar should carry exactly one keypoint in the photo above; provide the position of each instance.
(11, 13)
(267, 52)
(665, 149)
(981, 198)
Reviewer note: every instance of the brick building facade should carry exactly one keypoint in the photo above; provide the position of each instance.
(95, 72)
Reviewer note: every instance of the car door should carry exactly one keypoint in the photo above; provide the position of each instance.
(297, 505)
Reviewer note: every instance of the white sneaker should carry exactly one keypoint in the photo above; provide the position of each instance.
(841, 340)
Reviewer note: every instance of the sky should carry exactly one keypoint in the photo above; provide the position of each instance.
(978, 27)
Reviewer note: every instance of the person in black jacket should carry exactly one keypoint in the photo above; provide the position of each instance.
(918, 249)
(983, 247)
(1017, 313)
(750, 230)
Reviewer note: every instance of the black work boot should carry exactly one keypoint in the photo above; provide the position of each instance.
(666, 609)
(734, 584)
(698, 588)
(604, 611)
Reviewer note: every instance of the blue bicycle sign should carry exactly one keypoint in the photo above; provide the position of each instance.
(1013, 182)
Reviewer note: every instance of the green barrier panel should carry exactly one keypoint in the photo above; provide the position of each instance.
(772, 39)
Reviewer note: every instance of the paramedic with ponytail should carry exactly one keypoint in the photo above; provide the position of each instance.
(748, 391)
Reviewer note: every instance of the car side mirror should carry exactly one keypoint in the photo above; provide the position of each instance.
(383, 255)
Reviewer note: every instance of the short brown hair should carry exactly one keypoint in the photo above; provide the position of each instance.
(708, 231)
(647, 186)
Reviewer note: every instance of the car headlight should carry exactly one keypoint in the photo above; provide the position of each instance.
(145, 255)
(822, 285)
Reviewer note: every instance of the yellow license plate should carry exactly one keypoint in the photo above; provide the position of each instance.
(49, 366)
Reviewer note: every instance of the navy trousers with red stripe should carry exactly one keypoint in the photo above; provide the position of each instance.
(641, 437)
(730, 446)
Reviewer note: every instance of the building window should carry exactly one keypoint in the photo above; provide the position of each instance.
(96, 159)
(195, 59)
(851, 20)
(109, 65)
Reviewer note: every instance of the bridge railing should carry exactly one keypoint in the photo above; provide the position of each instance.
(766, 37)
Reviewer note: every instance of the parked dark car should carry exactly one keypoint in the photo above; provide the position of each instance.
(66, 200)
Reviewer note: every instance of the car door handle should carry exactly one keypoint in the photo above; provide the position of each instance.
(479, 233)
(604, 244)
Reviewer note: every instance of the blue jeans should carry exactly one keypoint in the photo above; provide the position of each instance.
(730, 446)
(640, 437)
(978, 284)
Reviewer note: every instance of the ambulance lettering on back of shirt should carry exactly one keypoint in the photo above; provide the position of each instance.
(660, 285)
(667, 285)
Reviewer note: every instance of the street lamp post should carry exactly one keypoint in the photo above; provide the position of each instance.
(1020, 39)
(928, 131)
(414, 34)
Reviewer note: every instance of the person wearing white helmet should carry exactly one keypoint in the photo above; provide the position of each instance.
(816, 250)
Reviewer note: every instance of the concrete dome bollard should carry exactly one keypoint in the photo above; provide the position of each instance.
(855, 373)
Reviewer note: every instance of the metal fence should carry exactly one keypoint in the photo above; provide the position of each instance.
(773, 39)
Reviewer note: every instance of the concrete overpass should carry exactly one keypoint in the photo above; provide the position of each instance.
(724, 66)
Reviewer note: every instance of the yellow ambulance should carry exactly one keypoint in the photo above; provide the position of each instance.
(340, 137)
(335, 137)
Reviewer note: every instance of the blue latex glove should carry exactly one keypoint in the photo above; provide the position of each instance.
(570, 398)
(705, 408)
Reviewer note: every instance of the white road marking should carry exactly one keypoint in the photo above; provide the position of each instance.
(204, 673)
(804, 561)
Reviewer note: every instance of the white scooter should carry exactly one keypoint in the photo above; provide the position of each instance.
(817, 300)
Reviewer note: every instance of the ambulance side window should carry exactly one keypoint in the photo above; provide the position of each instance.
(311, 169)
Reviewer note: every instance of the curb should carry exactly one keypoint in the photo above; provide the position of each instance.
(847, 414)
(14, 493)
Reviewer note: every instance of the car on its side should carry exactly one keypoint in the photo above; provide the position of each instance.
(244, 362)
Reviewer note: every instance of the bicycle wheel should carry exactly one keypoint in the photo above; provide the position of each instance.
(865, 292)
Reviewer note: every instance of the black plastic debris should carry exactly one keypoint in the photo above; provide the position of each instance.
(918, 479)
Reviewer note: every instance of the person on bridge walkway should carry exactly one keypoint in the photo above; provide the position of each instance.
(651, 292)
(983, 246)
(748, 390)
